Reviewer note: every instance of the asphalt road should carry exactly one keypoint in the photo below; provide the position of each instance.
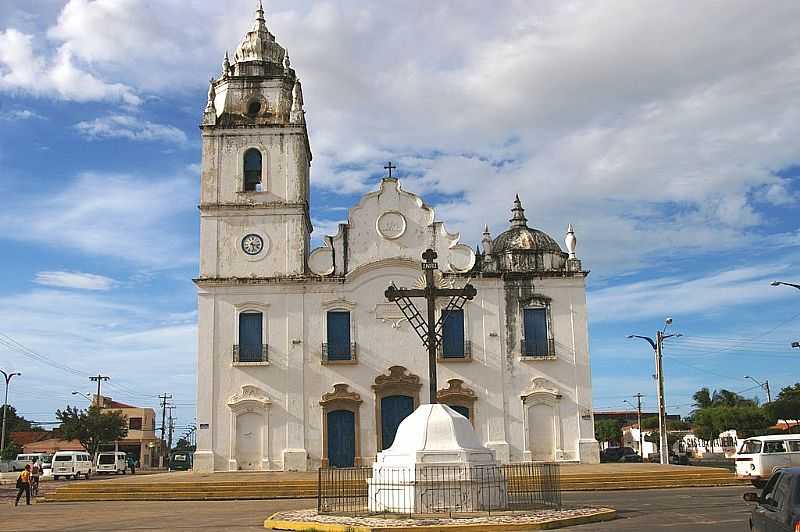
(690, 509)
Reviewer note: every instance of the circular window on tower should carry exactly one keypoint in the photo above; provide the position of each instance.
(253, 108)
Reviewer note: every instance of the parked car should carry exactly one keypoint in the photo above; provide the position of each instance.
(760, 456)
(71, 464)
(111, 462)
(26, 459)
(616, 454)
(778, 506)
(180, 461)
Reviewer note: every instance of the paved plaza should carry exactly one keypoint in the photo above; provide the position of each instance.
(691, 509)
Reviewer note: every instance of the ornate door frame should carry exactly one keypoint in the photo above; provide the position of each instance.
(341, 398)
(541, 391)
(399, 381)
(250, 399)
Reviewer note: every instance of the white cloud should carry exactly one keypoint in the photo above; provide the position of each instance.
(112, 215)
(130, 127)
(20, 114)
(91, 332)
(21, 69)
(83, 281)
(684, 295)
(652, 127)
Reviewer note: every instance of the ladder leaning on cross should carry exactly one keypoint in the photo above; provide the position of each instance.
(430, 330)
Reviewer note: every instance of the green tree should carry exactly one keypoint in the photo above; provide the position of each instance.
(184, 445)
(786, 406)
(15, 422)
(747, 420)
(10, 451)
(92, 427)
(607, 430)
(702, 398)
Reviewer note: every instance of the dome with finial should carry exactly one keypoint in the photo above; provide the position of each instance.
(523, 238)
(259, 44)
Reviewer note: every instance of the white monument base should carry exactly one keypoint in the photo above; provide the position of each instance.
(436, 464)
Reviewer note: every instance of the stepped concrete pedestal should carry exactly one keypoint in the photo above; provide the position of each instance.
(436, 462)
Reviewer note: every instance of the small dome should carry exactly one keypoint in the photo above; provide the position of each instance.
(434, 427)
(521, 237)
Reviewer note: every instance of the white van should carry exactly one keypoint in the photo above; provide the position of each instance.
(111, 462)
(27, 459)
(760, 456)
(71, 464)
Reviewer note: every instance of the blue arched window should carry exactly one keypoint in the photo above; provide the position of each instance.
(252, 170)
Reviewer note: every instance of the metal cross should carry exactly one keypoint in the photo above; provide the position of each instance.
(390, 167)
(430, 330)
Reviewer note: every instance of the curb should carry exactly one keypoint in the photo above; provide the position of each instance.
(603, 514)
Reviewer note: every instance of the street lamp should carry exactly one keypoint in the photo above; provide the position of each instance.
(778, 283)
(85, 395)
(8, 377)
(657, 346)
(764, 386)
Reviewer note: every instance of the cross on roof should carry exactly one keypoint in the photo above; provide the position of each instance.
(390, 167)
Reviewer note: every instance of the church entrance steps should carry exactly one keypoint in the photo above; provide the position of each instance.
(280, 485)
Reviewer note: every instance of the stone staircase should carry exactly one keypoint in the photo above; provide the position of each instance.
(233, 486)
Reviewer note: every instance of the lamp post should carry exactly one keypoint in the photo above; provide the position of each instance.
(793, 285)
(8, 377)
(85, 395)
(779, 283)
(764, 386)
(657, 346)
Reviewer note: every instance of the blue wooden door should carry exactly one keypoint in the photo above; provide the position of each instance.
(394, 409)
(463, 410)
(535, 331)
(341, 438)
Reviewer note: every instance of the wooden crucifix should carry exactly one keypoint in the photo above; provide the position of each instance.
(430, 330)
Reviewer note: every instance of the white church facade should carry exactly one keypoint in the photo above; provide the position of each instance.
(302, 362)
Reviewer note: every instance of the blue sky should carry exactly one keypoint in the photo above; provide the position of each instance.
(666, 133)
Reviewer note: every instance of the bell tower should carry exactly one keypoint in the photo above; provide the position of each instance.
(254, 198)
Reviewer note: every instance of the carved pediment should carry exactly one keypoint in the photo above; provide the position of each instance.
(456, 391)
(541, 386)
(398, 375)
(389, 224)
(249, 397)
(341, 392)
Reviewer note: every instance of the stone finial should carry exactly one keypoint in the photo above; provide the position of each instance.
(226, 66)
(486, 241)
(571, 241)
(212, 93)
(518, 218)
(287, 63)
(297, 113)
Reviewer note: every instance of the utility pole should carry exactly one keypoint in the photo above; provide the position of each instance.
(8, 377)
(171, 427)
(662, 410)
(638, 397)
(163, 398)
(99, 398)
(764, 386)
(657, 346)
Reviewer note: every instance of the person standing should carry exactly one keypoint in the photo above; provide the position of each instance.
(36, 471)
(24, 485)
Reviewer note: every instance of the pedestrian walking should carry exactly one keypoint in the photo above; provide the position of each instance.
(36, 471)
(132, 464)
(24, 485)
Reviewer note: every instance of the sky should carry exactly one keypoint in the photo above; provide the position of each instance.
(665, 132)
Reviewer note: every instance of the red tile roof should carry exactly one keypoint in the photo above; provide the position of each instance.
(22, 438)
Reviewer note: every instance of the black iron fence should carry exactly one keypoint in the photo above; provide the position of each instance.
(439, 489)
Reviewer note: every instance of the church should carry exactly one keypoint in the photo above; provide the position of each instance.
(303, 362)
